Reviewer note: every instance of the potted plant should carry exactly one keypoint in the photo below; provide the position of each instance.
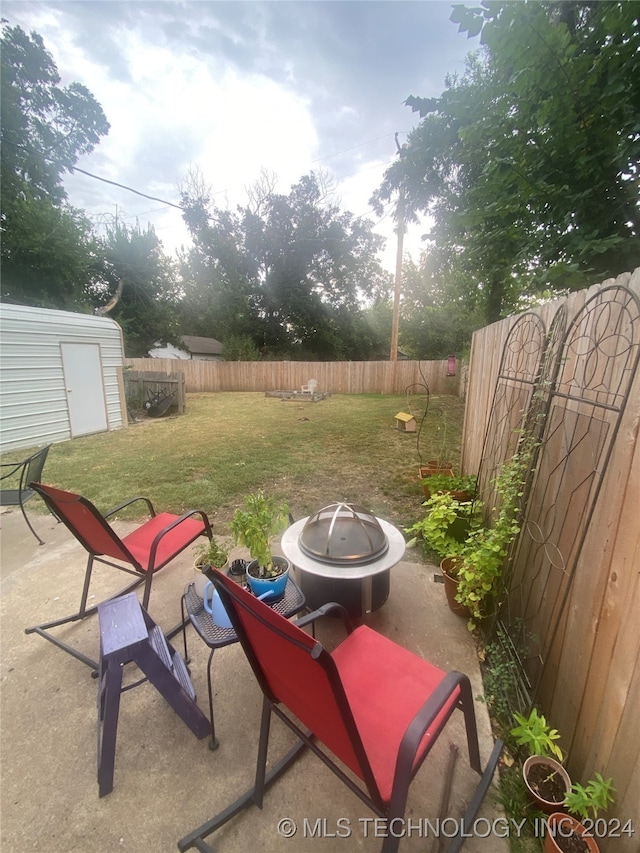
(565, 833)
(588, 800)
(444, 529)
(462, 487)
(546, 779)
(446, 524)
(252, 527)
(435, 467)
(212, 553)
(438, 443)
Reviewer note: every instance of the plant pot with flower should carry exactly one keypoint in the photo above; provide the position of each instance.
(547, 782)
(546, 779)
(253, 526)
(212, 553)
(434, 469)
(450, 568)
(460, 486)
(565, 832)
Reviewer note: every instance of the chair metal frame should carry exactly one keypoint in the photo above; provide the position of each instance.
(27, 470)
(215, 637)
(64, 505)
(453, 692)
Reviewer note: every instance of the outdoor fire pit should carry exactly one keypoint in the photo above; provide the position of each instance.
(344, 554)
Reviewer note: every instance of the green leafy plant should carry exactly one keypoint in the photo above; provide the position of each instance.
(446, 483)
(211, 553)
(455, 483)
(438, 527)
(500, 679)
(484, 552)
(588, 800)
(514, 797)
(254, 525)
(534, 733)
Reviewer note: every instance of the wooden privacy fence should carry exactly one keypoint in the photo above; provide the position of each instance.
(348, 377)
(572, 606)
(147, 386)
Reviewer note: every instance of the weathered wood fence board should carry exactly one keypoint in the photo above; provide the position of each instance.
(141, 385)
(590, 687)
(349, 377)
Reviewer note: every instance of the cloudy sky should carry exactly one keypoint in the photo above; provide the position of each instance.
(236, 87)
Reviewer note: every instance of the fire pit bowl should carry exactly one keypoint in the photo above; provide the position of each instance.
(344, 553)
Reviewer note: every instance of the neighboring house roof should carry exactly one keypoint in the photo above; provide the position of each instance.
(197, 345)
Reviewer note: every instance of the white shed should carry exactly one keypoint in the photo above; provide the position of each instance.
(60, 376)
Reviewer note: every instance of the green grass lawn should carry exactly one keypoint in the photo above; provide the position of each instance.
(226, 445)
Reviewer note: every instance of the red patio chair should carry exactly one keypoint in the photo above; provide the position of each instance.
(144, 551)
(371, 704)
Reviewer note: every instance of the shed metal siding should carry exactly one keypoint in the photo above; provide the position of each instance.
(33, 407)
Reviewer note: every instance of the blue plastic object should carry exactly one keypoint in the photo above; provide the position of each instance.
(214, 606)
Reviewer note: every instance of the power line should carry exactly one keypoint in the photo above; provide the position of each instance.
(124, 187)
(218, 192)
(91, 175)
(358, 145)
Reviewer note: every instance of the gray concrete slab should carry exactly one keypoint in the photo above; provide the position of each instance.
(167, 782)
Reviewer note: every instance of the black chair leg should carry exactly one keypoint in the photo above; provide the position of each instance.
(214, 743)
(249, 798)
(29, 525)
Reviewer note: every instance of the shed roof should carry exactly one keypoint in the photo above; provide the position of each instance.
(196, 344)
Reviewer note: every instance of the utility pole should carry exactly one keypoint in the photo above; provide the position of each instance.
(393, 355)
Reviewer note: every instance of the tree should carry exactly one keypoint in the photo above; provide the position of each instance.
(49, 254)
(48, 250)
(45, 128)
(529, 163)
(146, 309)
(240, 348)
(290, 271)
(440, 307)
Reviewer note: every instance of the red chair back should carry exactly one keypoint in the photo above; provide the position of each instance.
(294, 669)
(85, 522)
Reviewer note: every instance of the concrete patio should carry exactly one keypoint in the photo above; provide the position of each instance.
(167, 782)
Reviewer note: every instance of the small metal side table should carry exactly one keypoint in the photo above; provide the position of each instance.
(292, 602)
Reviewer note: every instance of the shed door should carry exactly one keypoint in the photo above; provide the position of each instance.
(84, 387)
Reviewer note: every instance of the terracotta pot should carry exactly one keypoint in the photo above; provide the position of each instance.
(560, 826)
(448, 569)
(554, 767)
(440, 467)
(461, 495)
(434, 467)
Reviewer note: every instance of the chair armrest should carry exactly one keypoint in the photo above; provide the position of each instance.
(416, 730)
(152, 511)
(15, 467)
(175, 523)
(325, 610)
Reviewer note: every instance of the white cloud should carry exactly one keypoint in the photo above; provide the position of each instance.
(235, 88)
(254, 124)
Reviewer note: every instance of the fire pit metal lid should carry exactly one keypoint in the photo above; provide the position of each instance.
(343, 534)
